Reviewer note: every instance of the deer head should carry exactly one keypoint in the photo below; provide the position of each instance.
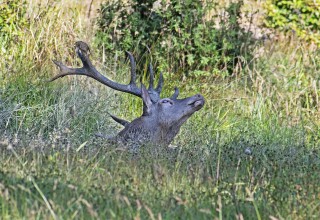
(161, 118)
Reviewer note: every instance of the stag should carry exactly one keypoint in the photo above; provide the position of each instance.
(161, 118)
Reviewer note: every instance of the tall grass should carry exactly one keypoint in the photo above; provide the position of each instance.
(252, 152)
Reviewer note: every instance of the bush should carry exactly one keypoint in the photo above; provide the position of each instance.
(181, 35)
(300, 16)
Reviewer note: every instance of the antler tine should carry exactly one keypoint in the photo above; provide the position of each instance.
(176, 93)
(89, 70)
(119, 120)
(133, 68)
(65, 71)
(160, 83)
(151, 80)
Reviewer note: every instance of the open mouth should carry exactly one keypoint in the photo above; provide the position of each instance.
(197, 103)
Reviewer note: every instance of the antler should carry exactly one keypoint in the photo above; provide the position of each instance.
(175, 94)
(154, 92)
(89, 70)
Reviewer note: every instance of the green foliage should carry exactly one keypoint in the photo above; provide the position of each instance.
(47, 141)
(300, 16)
(181, 35)
(12, 22)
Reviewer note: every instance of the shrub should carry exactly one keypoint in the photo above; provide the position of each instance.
(181, 35)
(300, 16)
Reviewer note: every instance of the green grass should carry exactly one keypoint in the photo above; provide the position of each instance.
(52, 166)
(279, 179)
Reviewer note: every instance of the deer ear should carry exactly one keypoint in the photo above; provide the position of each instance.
(146, 100)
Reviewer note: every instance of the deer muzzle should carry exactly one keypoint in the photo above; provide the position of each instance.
(197, 101)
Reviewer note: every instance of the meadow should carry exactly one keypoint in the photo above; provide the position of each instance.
(252, 152)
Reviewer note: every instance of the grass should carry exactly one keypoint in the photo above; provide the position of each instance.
(251, 153)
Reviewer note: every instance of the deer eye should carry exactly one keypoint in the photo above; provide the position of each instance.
(166, 101)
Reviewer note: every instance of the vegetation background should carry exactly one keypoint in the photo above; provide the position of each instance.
(252, 152)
